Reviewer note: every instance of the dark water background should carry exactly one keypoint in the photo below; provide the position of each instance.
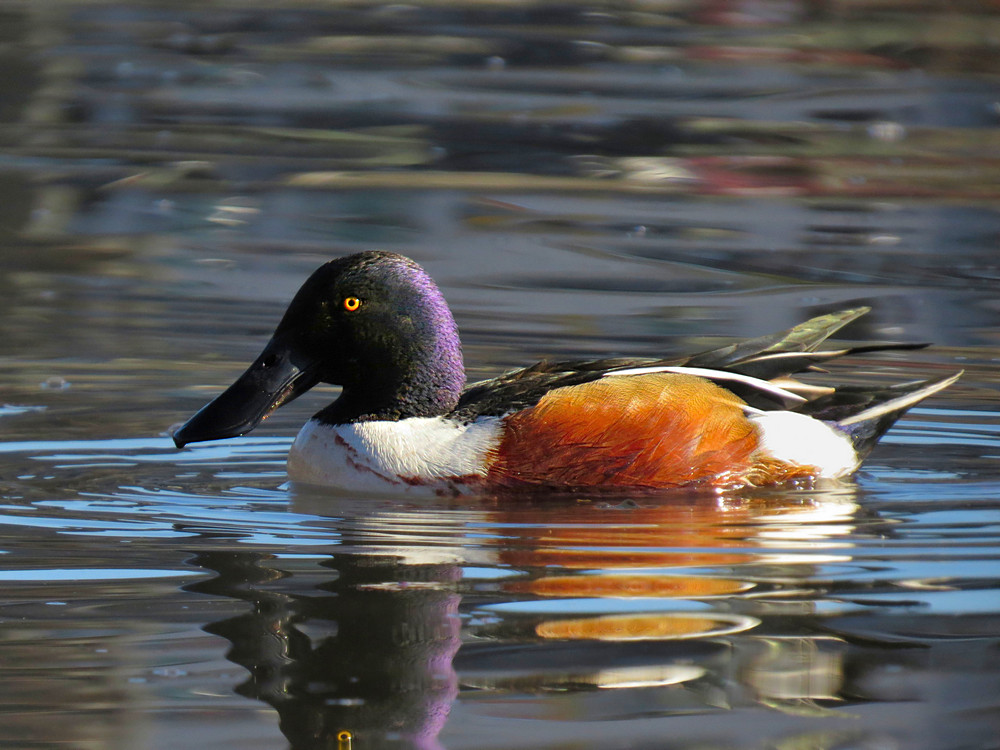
(634, 177)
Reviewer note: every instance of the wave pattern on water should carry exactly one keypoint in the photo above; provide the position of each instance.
(590, 178)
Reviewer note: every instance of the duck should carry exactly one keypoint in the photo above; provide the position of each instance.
(377, 325)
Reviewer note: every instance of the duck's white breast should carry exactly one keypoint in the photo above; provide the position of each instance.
(420, 453)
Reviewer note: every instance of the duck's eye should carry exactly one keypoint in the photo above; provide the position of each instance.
(351, 303)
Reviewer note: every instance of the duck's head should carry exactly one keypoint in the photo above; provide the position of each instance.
(374, 323)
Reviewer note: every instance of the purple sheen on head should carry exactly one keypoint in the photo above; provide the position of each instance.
(442, 366)
(445, 354)
(400, 356)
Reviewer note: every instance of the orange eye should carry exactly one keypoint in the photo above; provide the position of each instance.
(351, 303)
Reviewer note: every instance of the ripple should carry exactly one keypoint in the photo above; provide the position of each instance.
(91, 574)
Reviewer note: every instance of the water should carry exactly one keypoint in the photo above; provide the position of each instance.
(580, 179)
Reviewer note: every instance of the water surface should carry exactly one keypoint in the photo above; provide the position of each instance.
(581, 179)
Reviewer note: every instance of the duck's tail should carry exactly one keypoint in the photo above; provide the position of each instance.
(865, 415)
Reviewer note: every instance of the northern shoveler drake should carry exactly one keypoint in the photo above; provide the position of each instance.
(376, 324)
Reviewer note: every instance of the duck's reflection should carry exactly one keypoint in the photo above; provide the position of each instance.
(367, 651)
(659, 594)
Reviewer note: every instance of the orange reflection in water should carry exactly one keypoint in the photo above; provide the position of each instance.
(631, 585)
(633, 627)
(698, 531)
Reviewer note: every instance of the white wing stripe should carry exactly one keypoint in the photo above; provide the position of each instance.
(714, 375)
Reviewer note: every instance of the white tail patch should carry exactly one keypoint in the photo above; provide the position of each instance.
(800, 440)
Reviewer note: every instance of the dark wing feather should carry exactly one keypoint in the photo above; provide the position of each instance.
(765, 357)
(520, 389)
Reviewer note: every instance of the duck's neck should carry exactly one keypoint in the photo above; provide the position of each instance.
(422, 378)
